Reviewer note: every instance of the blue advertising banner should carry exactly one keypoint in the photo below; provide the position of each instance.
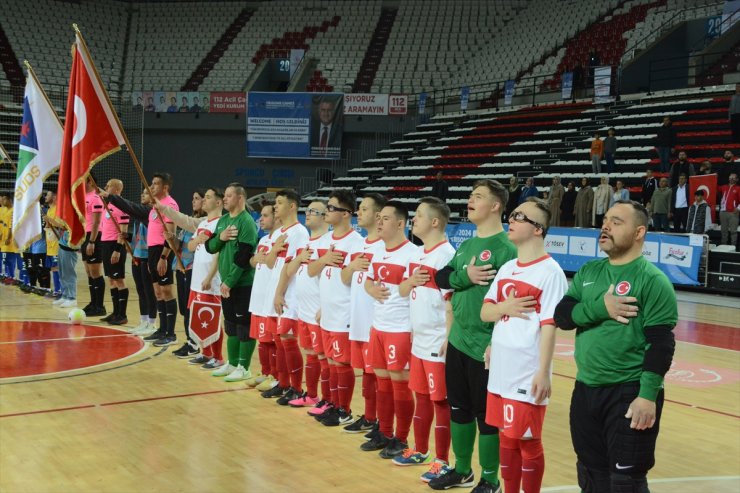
(422, 103)
(464, 98)
(509, 92)
(567, 85)
(678, 256)
(295, 125)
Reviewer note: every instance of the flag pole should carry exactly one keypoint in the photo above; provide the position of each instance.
(7, 157)
(130, 150)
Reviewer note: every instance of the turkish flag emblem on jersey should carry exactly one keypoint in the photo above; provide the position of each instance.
(91, 133)
(519, 289)
(205, 319)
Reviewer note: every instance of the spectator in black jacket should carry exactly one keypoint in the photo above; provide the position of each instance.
(665, 141)
(648, 187)
(681, 167)
(440, 188)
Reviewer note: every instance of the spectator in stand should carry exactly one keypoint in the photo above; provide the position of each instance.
(567, 208)
(680, 204)
(665, 141)
(705, 168)
(597, 153)
(729, 165)
(554, 200)
(660, 205)
(700, 217)
(593, 62)
(681, 167)
(440, 188)
(528, 190)
(578, 82)
(648, 187)
(584, 205)
(620, 193)
(610, 149)
(602, 198)
(513, 201)
(734, 114)
(729, 210)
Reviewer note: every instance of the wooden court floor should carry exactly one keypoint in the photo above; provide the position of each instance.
(137, 419)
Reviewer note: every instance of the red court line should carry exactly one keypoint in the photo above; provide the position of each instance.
(686, 404)
(117, 403)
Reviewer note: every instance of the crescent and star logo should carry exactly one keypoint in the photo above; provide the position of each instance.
(623, 288)
(206, 309)
(508, 289)
(381, 273)
(485, 255)
(81, 118)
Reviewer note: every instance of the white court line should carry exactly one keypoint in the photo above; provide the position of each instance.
(656, 481)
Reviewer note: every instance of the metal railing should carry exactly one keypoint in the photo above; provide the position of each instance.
(691, 68)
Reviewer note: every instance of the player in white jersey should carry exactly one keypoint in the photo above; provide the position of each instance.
(361, 310)
(307, 289)
(281, 294)
(390, 335)
(267, 377)
(334, 296)
(522, 301)
(429, 328)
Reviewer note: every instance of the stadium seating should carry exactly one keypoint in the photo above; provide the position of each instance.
(542, 142)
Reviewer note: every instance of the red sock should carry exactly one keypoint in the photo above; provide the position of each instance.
(385, 406)
(442, 429)
(423, 416)
(208, 351)
(511, 463)
(346, 386)
(333, 385)
(273, 358)
(369, 392)
(263, 350)
(403, 400)
(533, 464)
(313, 371)
(325, 384)
(282, 365)
(294, 360)
(216, 347)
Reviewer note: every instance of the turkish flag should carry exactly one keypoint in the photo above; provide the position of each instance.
(708, 183)
(205, 318)
(91, 133)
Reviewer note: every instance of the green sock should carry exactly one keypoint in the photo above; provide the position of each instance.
(488, 454)
(463, 441)
(232, 350)
(246, 350)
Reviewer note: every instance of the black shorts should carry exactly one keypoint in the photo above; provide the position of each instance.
(467, 380)
(602, 437)
(97, 256)
(154, 253)
(117, 270)
(236, 306)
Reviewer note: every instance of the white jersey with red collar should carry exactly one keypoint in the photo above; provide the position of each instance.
(393, 314)
(361, 303)
(307, 287)
(333, 293)
(203, 261)
(262, 275)
(428, 302)
(515, 343)
(297, 235)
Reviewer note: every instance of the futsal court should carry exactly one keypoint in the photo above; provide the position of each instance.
(89, 407)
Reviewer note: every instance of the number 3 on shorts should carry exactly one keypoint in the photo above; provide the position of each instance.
(392, 351)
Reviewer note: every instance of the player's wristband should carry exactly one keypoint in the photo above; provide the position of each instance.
(163, 257)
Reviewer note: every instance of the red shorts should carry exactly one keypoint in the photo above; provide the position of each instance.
(336, 346)
(515, 419)
(304, 337)
(287, 326)
(389, 350)
(428, 377)
(316, 337)
(209, 298)
(258, 329)
(360, 361)
(271, 325)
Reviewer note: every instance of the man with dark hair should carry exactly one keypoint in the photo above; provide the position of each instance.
(521, 301)
(680, 205)
(440, 187)
(624, 310)
(361, 309)
(665, 141)
(681, 167)
(92, 255)
(115, 223)
(469, 273)
(280, 298)
(334, 314)
(648, 187)
(428, 319)
(235, 241)
(390, 335)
